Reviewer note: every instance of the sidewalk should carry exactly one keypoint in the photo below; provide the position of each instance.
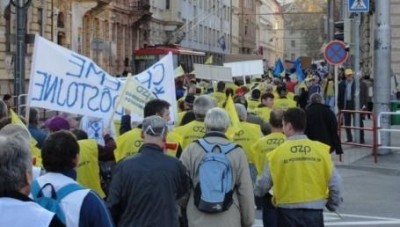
(356, 157)
(362, 159)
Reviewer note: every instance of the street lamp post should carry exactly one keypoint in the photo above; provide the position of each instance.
(21, 7)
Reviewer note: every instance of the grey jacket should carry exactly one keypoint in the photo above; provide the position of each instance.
(241, 213)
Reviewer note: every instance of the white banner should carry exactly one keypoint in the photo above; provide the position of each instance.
(213, 72)
(246, 68)
(65, 81)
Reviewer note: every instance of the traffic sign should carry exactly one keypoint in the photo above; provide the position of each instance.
(335, 52)
(358, 6)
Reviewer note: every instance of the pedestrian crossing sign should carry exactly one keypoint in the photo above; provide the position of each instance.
(358, 6)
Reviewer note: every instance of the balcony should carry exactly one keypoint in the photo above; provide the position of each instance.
(140, 5)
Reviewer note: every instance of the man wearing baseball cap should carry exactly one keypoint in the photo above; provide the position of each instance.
(146, 186)
(346, 101)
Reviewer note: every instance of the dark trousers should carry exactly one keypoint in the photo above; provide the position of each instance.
(347, 122)
(300, 218)
(269, 212)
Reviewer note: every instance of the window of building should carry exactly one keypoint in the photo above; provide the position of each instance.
(40, 20)
(167, 4)
(60, 20)
(211, 36)
(201, 35)
(293, 56)
(293, 43)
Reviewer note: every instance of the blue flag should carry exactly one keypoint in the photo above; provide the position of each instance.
(299, 70)
(278, 68)
(221, 43)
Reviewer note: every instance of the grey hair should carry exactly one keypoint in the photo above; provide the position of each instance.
(241, 111)
(15, 162)
(316, 98)
(217, 120)
(201, 105)
(14, 129)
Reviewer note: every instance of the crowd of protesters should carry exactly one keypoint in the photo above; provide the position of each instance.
(152, 174)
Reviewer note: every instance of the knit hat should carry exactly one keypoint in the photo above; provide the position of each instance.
(57, 123)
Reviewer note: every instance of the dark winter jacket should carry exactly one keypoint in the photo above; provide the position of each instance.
(322, 126)
(145, 188)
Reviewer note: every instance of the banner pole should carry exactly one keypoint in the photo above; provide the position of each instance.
(119, 100)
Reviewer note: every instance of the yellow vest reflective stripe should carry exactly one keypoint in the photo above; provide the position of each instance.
(300, 170)
(190, 132)
(263, 146)
(246, 135)
(263, 112)
(88, 171)
(128, 144)
(284, 103)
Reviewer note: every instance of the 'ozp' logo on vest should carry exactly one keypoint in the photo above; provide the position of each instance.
(239, 133)
(300, 149)
(275, 141)
(138, 143)
(199, 129)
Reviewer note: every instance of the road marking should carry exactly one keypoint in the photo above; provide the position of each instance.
(362, 223)
(332, 219)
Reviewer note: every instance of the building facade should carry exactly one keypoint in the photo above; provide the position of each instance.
(294, 44)
(103, 30)
(201, 25)
(395, 25)
(247, 26)
(269, 33)
(235, 39)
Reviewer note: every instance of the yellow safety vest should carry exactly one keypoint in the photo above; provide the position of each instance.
(128, 144)
(263, 112)
(88, 171)
(300, 170)
(284, 103)
(263, 146)
(252, 105)
(36, 153)
(189, 132)
(231, 85)
(290, 95)
(117, 126)
(245, 134)
(219, 98)
(180, 116)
